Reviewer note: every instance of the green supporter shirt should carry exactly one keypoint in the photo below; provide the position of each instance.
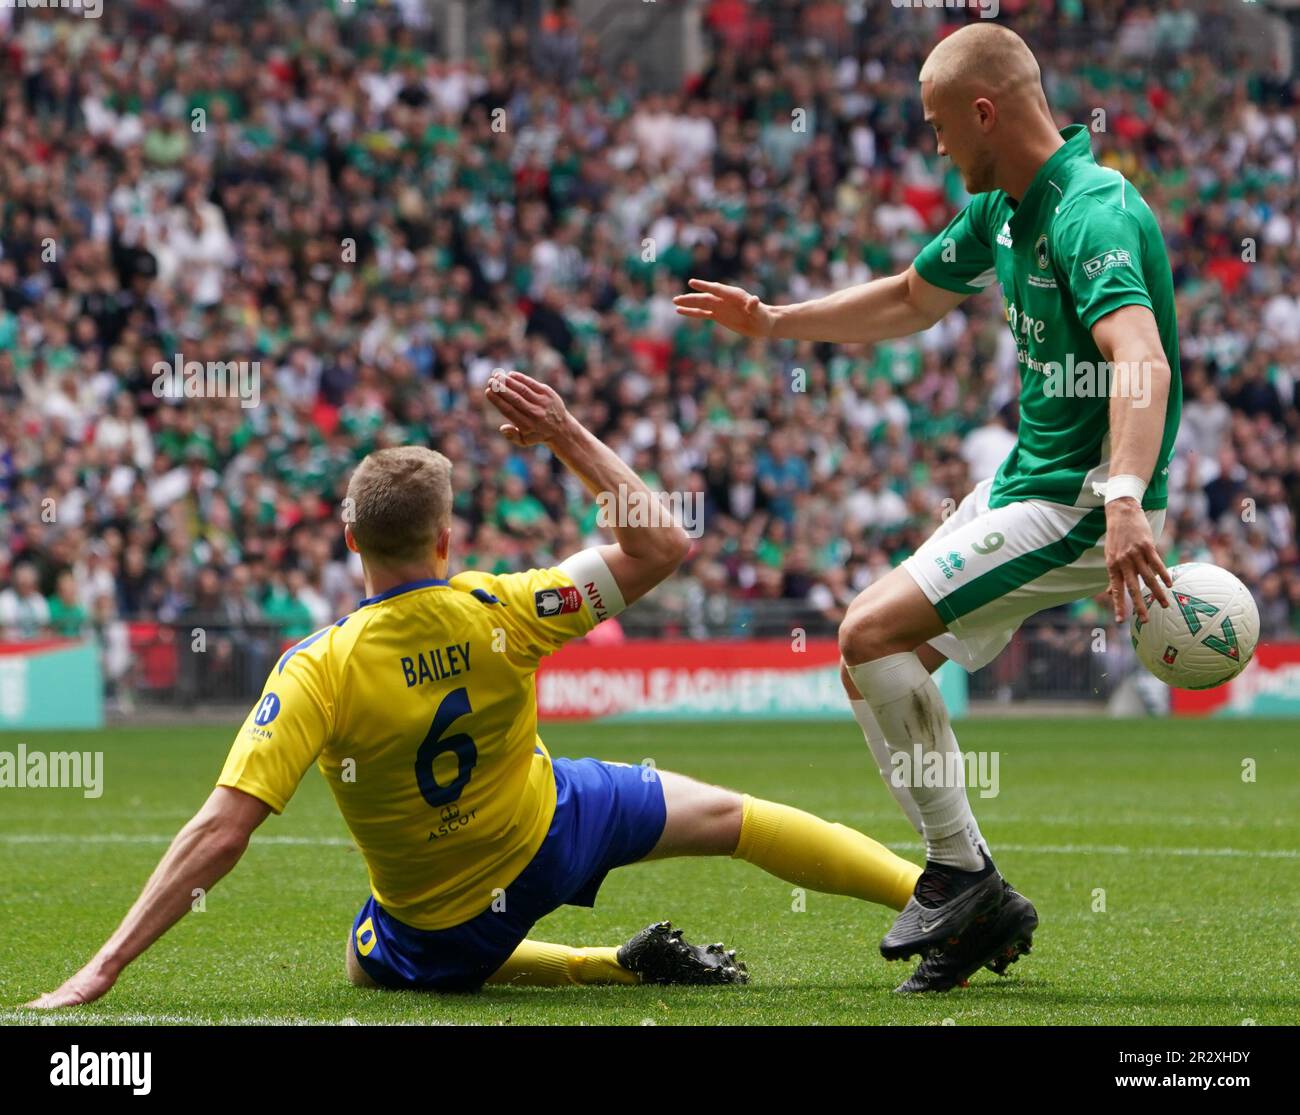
(1078, 246)
(291, 614)
(66, 620)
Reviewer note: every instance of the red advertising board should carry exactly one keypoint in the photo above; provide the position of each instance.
(1269, 686)
(751, 677)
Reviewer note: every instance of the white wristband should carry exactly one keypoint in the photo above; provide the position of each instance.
(596, 583)
(1119, 487)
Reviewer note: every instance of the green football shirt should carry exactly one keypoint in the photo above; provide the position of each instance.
(1080, 244)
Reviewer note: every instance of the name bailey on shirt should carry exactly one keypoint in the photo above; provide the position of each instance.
(435, 665)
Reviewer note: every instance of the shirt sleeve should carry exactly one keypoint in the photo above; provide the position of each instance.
(284, 733)
(541, 609)
(960, 258)
(1098, 249)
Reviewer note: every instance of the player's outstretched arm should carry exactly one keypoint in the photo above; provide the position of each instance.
(646, 553)
(876, 311)
(203, 852)
(1130, 339)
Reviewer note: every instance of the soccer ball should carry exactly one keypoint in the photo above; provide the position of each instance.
(1206, 636)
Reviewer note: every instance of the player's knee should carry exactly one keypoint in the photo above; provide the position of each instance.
(864, 637)
(703, 820)
(716, 818)
(726, 813)
(356, 974)
(876, 628)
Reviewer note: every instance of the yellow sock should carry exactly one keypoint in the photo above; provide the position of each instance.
(539, 964)
(809, 852)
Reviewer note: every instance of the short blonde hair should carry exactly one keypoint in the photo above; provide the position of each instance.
(986, 55)
(398, 502)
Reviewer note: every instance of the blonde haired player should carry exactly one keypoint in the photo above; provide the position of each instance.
(419, 709)
(1078, 503)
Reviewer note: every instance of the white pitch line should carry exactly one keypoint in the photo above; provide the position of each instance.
(344, 842)
(1122, 850)
(65, 1018)
(152, 838)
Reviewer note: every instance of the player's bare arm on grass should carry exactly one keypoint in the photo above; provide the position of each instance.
(895, 306)
(1130, 340)
(647, 553)
(203, 852)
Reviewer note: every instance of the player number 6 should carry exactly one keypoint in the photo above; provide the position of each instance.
(453, 707)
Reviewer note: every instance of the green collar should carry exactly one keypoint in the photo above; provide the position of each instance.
(1077, 145)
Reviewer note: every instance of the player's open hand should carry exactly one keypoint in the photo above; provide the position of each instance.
(738, 310)
(534, 414)
(85, 987)
(1131, 554)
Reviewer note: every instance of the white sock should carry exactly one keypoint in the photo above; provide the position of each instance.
(880, 752)
(902, 793)
(910, 711)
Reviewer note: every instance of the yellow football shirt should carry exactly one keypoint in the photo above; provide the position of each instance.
(420, 710)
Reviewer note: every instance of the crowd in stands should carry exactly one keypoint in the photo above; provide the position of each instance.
(317, 192)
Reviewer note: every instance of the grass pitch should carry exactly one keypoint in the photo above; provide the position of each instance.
(1168, 887)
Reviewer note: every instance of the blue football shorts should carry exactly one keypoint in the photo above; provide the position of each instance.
(606, 815)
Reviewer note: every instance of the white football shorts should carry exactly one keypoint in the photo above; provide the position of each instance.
(988, 569)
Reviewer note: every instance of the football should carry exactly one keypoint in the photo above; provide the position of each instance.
(1208, 633)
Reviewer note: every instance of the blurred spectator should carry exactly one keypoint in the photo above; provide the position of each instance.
(24, 613)
(348, 215)
(67, 615)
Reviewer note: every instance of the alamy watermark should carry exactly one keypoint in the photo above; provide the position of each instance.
(213, 379)
(89, 9)
(1101, 379)
(628, 508)
(988, 9)
(937, 769)
(52, 770)
(100, 1068)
